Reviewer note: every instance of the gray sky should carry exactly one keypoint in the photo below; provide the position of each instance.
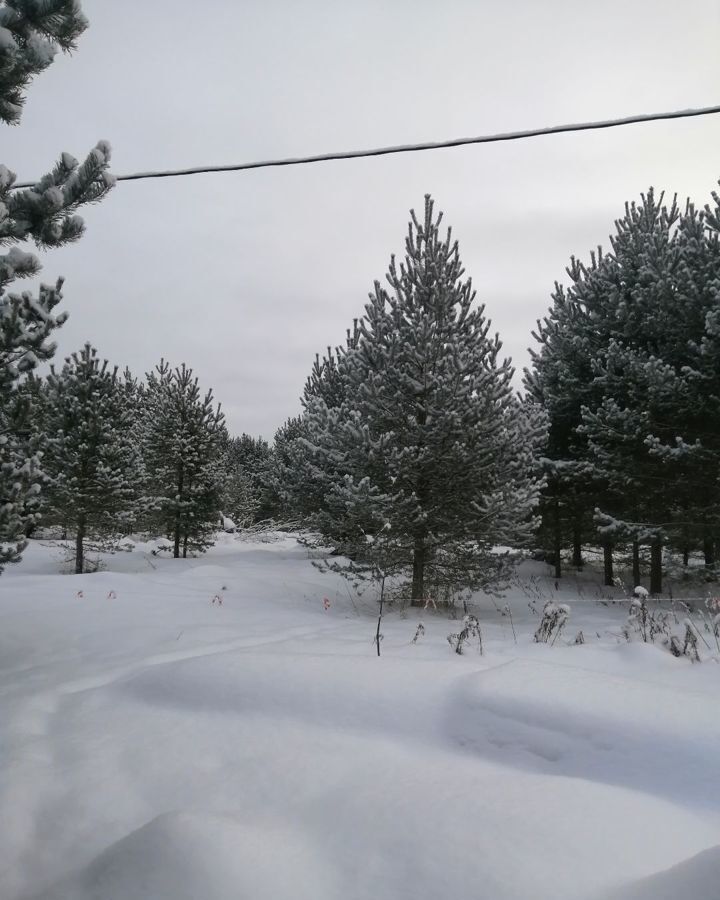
(246, 276)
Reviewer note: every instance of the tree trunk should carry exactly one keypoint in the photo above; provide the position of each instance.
(378, 636)
(577, 559)
(608, 563)
(636, 564)
(418, 582)
(185, 543)
(656, 567)
(709, 552)
(80, 545)
(686, 557)
(180, 486)
(557, 540)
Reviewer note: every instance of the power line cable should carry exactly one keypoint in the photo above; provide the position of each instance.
(414, 148)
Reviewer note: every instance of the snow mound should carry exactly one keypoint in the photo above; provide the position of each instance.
(575, 722)
(210, 571)
(697, 877)
(153, 546)
(188, 855)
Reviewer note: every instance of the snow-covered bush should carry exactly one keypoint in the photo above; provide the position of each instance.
(554, 617)
(470, 632)
(645, 622)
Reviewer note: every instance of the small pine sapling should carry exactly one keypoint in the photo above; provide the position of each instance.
(419, 632)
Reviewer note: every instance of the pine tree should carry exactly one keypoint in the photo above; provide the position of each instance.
(428, 440)
(296, 490)
(629, 379)
(250, 496)
(326, 379)
(183, 435)
(586, 376)
(243, 462)
(94, 471)
(30, 34)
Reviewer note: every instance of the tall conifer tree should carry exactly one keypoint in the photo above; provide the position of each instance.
(428, 440)
(183, 437)
(94, 470)
(30, 35)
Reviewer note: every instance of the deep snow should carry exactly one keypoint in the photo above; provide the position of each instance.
(156, 744)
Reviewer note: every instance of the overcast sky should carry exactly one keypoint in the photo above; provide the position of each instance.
(246, 276)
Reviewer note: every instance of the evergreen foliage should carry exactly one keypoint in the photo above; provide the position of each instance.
(628, 372)
(249, 494)
(427, 438)
(46, 214)
(94, 471)
(31, 32)
(296, 485)
(183, 446)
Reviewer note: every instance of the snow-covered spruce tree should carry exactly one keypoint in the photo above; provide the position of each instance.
(695, 357)
(297, 483)
(30, 34)
(94, 471)
(249, 486)
(629, 350)
(560, 381)
(238, 499)
(636, 377)
(182, 443)
(326, 377)
(429, 440)
(597, 433)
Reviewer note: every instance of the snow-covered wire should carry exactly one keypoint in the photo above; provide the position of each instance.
(413, 148)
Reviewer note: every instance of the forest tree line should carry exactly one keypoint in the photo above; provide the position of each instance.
(413, 452)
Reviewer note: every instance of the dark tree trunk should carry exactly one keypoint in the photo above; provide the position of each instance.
(185, 543)
(656, 567)
(636, 563)
(608, 563)
(418, 582)
(80, 546)
(686, 557)
(557, 537)
(709, 552)
(180, 486)
(577, 559)
(378, 636)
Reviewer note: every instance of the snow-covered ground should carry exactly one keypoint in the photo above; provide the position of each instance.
(157, 745)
